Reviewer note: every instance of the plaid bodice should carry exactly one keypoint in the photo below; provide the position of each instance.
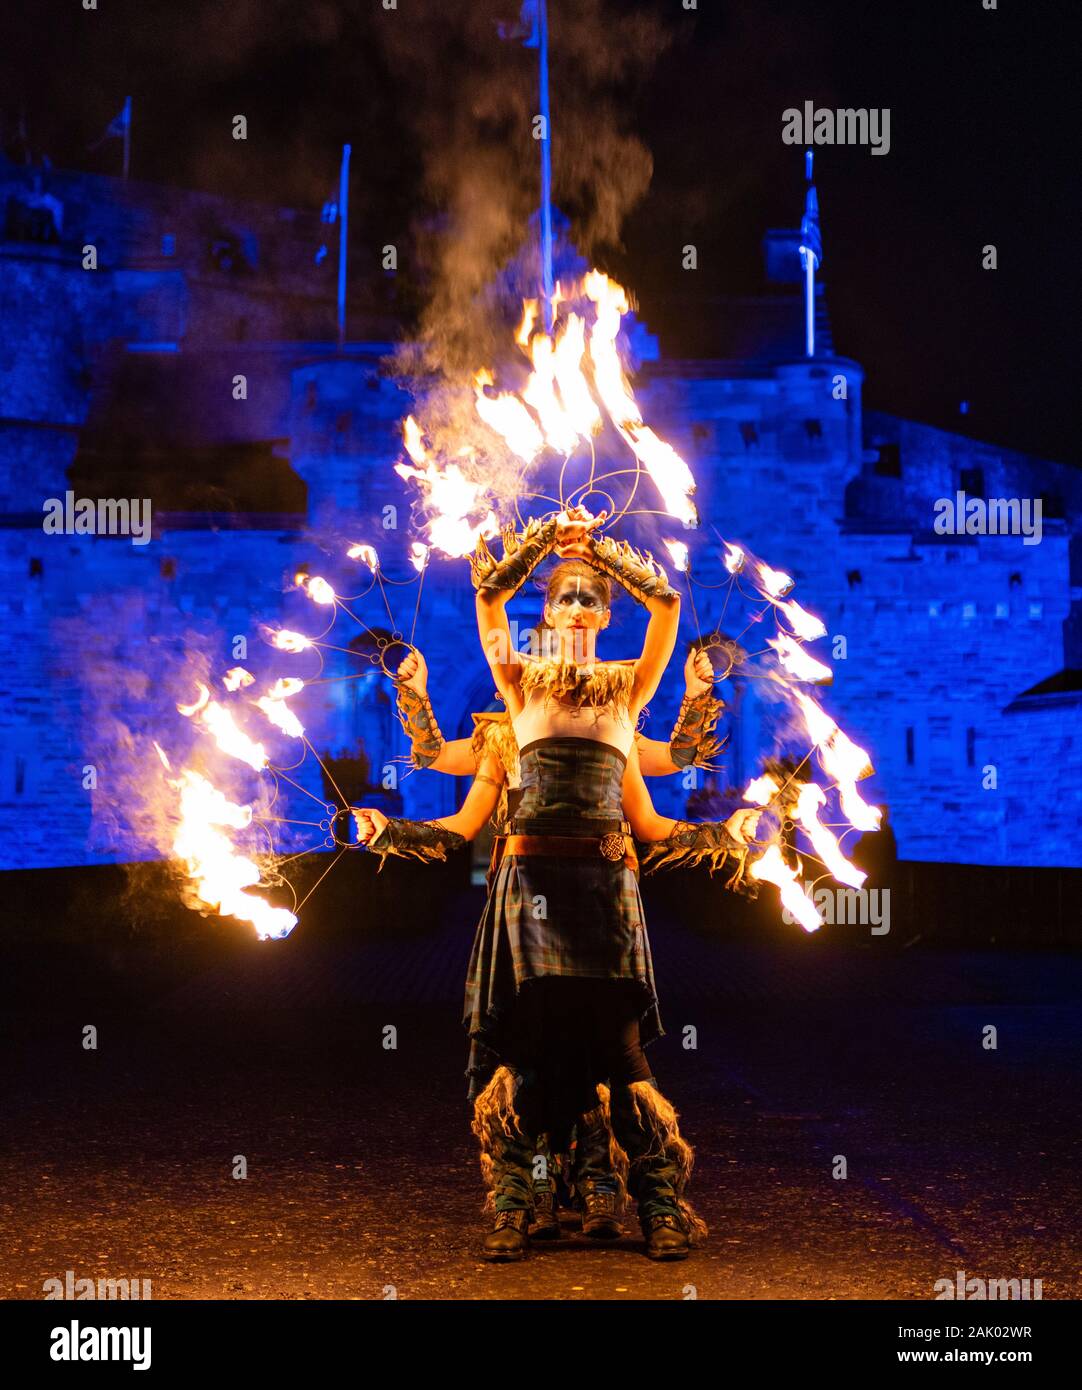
(573, 783)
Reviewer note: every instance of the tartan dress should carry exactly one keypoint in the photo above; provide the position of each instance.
(551, 916)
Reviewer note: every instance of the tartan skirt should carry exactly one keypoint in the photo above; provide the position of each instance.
(577, 918)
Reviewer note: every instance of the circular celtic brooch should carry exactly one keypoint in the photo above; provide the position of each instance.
(612, 847)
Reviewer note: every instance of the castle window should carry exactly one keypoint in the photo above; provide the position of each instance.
(971, 480)
(813, 429)
(749, 434)
(969, 611)
(1003, 610)
(889, 462)
(910, 747)
(168, 568)
(1036, 610)
(20, 776)
(971, 748)
(35, 568)
(854, 578)
(1015, 580)
(169, 244)
(935, 610)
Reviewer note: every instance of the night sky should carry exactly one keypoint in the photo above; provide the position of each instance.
(983, 150)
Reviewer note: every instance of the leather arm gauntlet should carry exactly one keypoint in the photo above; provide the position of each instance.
(417, 839)
(639, 574)
(707, 842)
(418, 719)
(521, 556)
(692, 739)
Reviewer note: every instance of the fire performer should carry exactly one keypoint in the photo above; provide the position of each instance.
(561, 982)
(594, 1174)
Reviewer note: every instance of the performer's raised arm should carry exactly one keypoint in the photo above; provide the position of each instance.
(428, 747)
(692, 740)
(431, 839)
(497, 581)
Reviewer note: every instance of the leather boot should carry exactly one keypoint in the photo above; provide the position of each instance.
(665, 1237)
(654, 1175)
(597, 1185)
(546, 1224)
(513, 1192)
(508, 1240)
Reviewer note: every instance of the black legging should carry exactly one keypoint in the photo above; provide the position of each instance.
(568, 1035)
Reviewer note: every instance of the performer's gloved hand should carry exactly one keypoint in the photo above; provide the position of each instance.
(572, 529)
(370, 823)
(698, 673)
(413, 672)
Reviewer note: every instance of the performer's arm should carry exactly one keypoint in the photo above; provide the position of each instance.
(497, 581)
(692, 739)
(432, 839)
(648, 584)
(671, 841)
(428, 747)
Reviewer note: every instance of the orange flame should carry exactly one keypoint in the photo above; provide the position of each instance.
(772, 868)
(800, 664)
(810, 799)
(218, 873)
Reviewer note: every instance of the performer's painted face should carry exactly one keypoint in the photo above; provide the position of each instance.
(576, 608)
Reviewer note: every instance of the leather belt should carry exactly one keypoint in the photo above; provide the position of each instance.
(615, 848)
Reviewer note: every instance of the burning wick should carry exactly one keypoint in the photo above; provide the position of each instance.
(287, 641)
(367, 553)
(318, 590)
(680, 554)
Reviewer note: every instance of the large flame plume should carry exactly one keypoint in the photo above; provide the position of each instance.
(576, 381)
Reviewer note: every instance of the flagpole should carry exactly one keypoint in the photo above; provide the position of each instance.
(810, 253)
(127, 136)
(343, 221)
(546, 163)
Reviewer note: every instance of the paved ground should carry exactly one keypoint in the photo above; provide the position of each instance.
(361, 1171)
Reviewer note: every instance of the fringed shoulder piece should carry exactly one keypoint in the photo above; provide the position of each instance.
(604, 683)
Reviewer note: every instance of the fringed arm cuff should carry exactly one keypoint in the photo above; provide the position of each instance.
(693, 739)
(425, 840)
(521, 556)
(418, 719)
(708, 842)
